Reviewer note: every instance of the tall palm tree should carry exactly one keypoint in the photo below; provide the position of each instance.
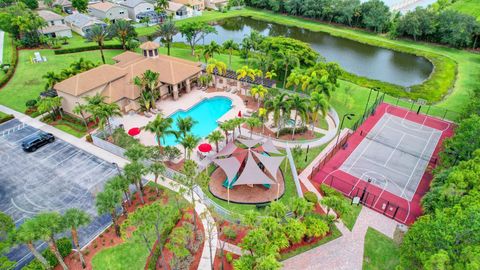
(103, 112)
(157, 169)
(134, 172)
(215, 66)
(47, 225)
(107, 202)
(123, 31)
(230, 46)
(253, 122)
(95, 100)
(215, 137)
(211, 49)
(161, 6)
(189, 142)
(258, 92)
(277, 106)
(120, 183)
(185, 125)
(80, 109)
(262, 113)
(166, 31)
(318, 104)
(161, 127)
(82, 65)
(287, 60)
(98, 34)
(226, 126)
(28, 234)
(300, 105)
(73, 219)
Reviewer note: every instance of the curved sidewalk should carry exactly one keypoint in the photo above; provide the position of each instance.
(205, 262)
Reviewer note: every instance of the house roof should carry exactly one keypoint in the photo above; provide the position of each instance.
(149, 45)
(133, 3)
(118, 78)
(47, 15)
(172, 6)
(54, 29)
(63, 3)
(80, 20)
(103, 6)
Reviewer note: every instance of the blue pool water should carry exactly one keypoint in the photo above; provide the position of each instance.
(206, 113)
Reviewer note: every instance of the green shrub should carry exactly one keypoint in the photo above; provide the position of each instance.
(329, 191)
(6, 118)
(31, 103)
(311, 197)
(230, 233)
(229, 257)
(89, 48)
(64, 246)
(34, 265)
(11, 69)
(286, 131)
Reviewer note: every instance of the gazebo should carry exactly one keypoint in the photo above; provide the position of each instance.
(252, 169)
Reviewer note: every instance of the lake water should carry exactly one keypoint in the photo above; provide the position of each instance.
(361, 59)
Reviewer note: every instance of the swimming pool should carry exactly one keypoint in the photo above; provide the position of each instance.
(206, 113)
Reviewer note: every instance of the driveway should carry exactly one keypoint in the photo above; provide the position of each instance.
(56, 177)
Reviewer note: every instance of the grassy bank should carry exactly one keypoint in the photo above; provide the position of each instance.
(470, 7)
(381, 252)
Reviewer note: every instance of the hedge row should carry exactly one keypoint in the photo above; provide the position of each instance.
(89, 48)
(13, 66)
(6, 118)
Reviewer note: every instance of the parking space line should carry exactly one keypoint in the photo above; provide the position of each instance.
(24, 138)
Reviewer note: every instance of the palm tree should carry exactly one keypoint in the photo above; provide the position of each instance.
(258, 92)
(216, 66)
(51, 105)
(253, 122)
(277, 106)
(80, 109)
(185, 125)
(230, 46)
(47, 225)
(246, 71)
(161, 127)
(295, 79)
(52, 78)
(226, 126)
(157, 169)
(82, 65)
(134, 172)
(107, 202)
(166, 31)
(73, 219)
(120, 183)
(262, 113)
(189, 142)
(211, 49)
(161, 6)
(123, 31)
(318, 104)
(215, 137)
(103, 112)
(28, 234)
(95, 100)
(287, 60)
(98, 34)
(300, 105)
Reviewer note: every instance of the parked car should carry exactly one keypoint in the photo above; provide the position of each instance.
(37, 141)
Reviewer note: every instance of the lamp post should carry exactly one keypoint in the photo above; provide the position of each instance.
(368, 100)
(365, 189)
(349, 117)
(117, 167)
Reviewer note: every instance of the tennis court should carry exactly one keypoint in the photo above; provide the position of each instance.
(387, 162)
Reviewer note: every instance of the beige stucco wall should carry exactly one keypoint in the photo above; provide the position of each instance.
(113, 13)
(196, 4)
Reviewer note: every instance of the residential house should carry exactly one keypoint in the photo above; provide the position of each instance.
(108, 10)
(81, 23)
(56, 26)
(216, 4)
(138, 9)
(178, 10)
(196, 5)
(65, 5)
(115, 82)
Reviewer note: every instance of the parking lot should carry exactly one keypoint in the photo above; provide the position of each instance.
(56, 177)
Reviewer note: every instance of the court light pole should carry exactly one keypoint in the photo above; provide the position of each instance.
(117, 167)
(349, 117)
(368, 100)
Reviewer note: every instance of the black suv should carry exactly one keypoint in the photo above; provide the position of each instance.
(37, 141)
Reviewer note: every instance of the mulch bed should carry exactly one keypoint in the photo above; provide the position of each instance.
(308, 135)
(226, 265)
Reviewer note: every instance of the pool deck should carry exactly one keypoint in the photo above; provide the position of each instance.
(170, 106)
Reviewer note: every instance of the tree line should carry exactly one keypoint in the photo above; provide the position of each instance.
(448, 235)
(432, 24)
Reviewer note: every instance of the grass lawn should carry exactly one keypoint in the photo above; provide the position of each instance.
(125, 256)
(77, 41)
(350, 219)
(27, 83)
(381, 252)
(471, 7)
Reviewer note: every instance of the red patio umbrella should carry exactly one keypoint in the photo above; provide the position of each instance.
(205, 147)
(239, 114)
(134, 131)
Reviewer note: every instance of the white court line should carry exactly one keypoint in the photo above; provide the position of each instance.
(358, 180)
(394, 150)
(415, 168)
(386, 168)
(368, 145)
(427, 116)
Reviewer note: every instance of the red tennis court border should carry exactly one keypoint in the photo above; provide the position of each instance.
(382, 201)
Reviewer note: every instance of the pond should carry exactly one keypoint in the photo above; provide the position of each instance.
(361, 59)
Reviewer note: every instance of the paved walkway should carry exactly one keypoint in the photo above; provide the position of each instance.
(230, 247)
(168, 183)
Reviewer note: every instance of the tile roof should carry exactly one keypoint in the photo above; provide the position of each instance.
(47, 15)
(103, 6)
(80, 20)
(149, 45)
(132, 3)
